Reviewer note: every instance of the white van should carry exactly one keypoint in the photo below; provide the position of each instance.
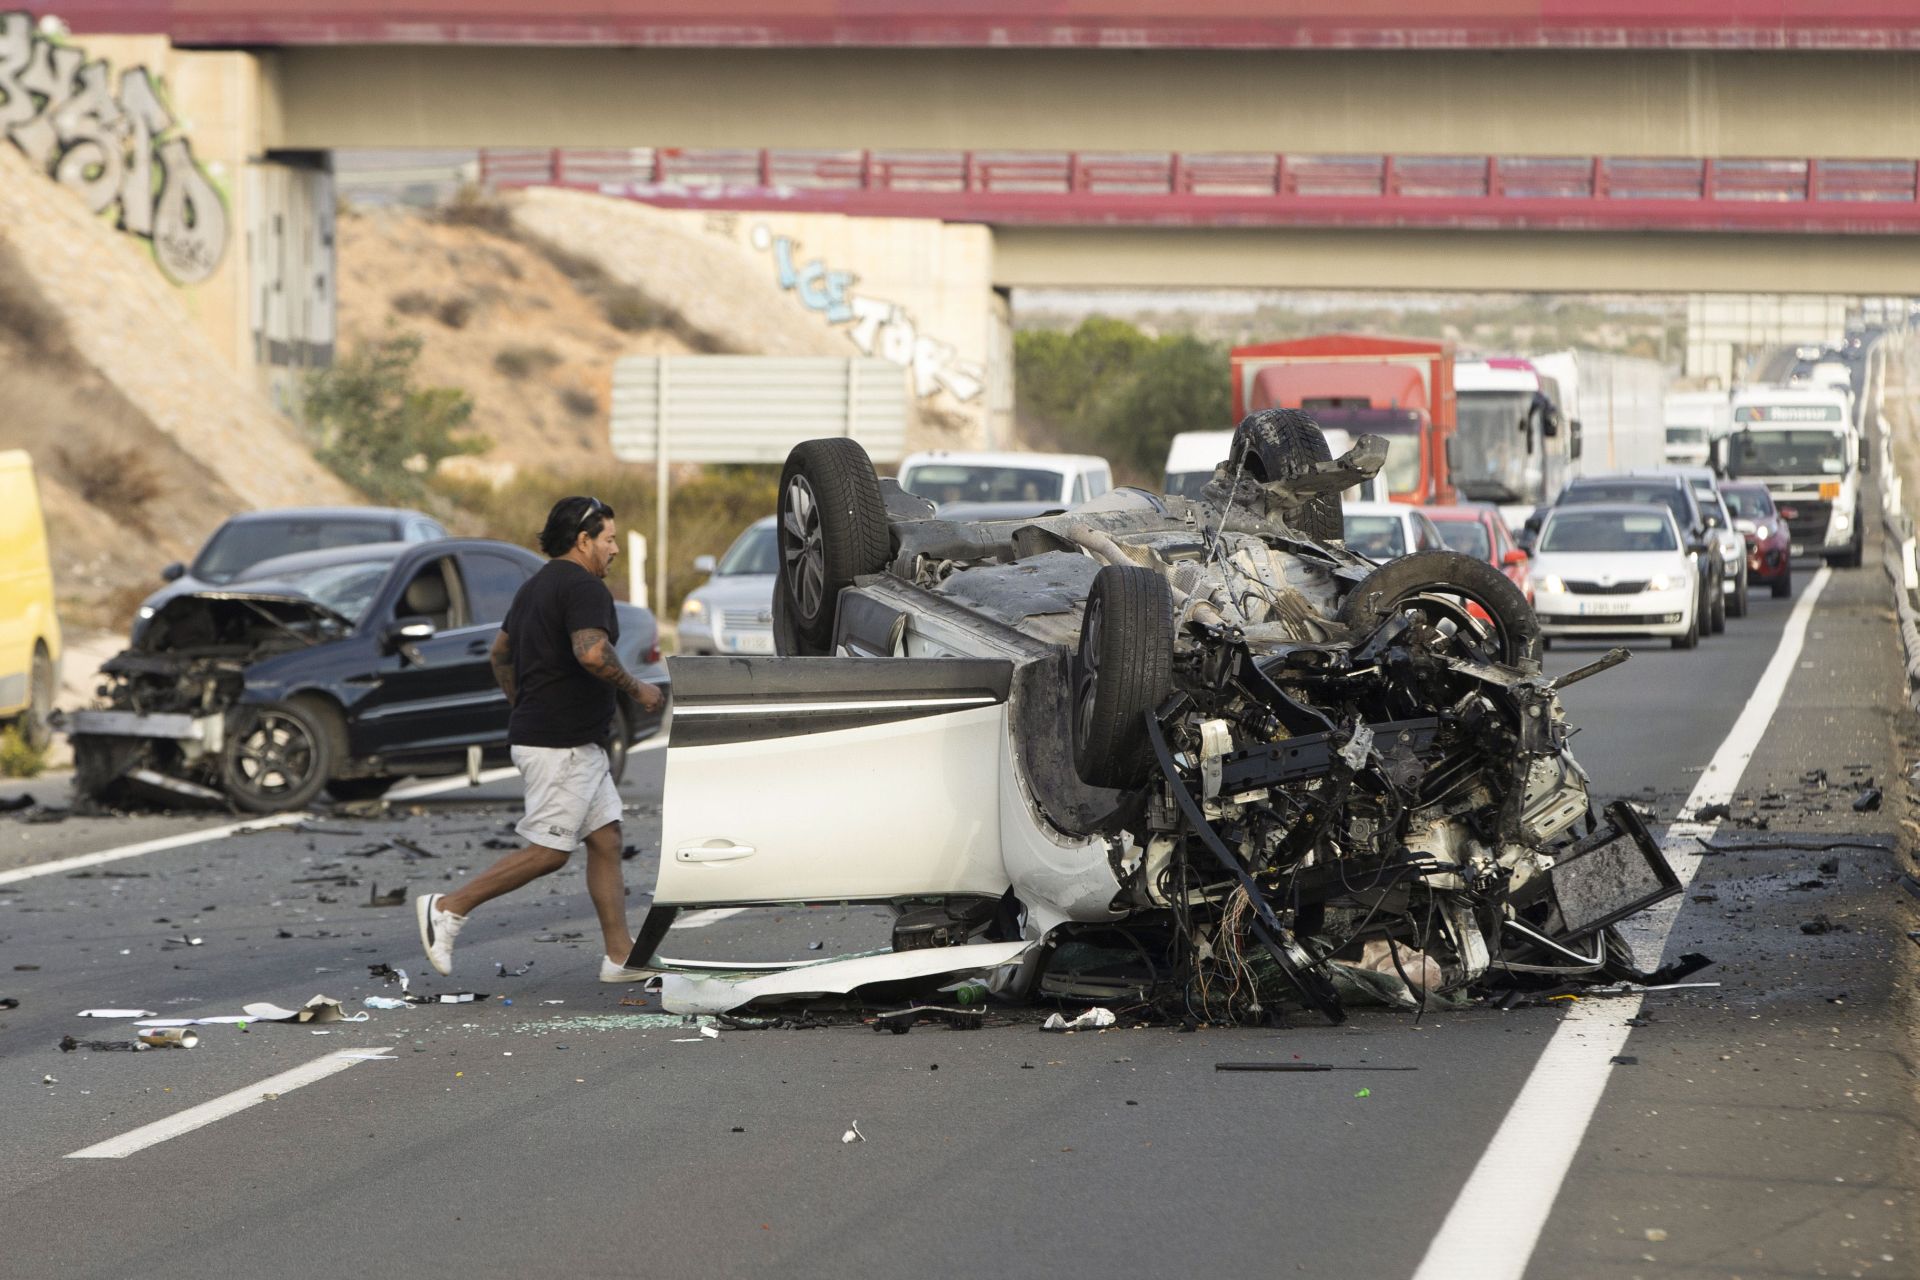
(1063, 479)
(1694, 420)
(1192, 456)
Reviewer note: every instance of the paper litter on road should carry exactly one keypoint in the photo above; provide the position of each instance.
(1088, 1021)
(318, 1009)
(115, 1013)
(384, 1002)
(853, 1134)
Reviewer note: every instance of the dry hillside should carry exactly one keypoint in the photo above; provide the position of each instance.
(143, 436)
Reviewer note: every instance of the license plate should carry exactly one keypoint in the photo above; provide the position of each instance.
(1599, 608)
(752, 642)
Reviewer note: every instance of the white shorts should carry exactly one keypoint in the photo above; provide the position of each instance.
(570, 795)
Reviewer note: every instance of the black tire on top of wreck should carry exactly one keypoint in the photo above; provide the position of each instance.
(1447, 576)
(831, 529)
(1271, 443)
(1122, 673)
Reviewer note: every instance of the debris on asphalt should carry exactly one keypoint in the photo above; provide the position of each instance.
(501, 971)
(391, 898)
(68, 1044)
(318, 1009)
(1713, 813)
(1830, 867)
(450, 997)
(1302, 1066)
(186, 940)
(167, 1038)
(1364, 1093)
(1867, 801)
(1091, 1020)
(13, 804)
(384, 1002)
(413, 848)
(853, 1134)
(115, 1013)
(388, 975)
(9, 1002)
(1623, 1060)
(1820, 924)
(366, 850)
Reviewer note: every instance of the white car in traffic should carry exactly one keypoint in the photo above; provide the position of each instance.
(1610, 569)
(1389, 530)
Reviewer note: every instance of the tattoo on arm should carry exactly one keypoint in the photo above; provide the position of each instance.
(592, 650)
(502, 660)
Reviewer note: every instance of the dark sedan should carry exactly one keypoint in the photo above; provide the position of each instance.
(344, 669)
(251, 537)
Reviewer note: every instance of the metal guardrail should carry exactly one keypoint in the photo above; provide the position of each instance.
(1848, 196)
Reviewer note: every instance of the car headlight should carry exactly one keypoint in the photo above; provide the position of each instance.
(1764, 532)
(1659, 582)
(1552, 585)
(1841, 520)
(692, 610)
(146, 611)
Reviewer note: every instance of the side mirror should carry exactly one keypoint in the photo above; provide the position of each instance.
(704, 564)
(173, 572)
(403, 632)
(1513, 557)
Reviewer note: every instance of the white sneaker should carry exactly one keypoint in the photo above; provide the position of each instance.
(437, 930)
(612, 971)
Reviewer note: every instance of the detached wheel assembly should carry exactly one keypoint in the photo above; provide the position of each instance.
(1274, 442)
(277, 757)
(832, 529)
(1446, 581)
(1122, 673)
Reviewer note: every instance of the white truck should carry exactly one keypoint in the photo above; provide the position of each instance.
(1801, 444)
(1619, 403)
(1694, 420)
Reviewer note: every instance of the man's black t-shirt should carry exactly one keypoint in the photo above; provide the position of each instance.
(559, 703)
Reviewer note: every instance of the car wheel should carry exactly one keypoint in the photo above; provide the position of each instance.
(351, 789)
(617, 743)
(1274, 442)
(1737, 606)
(36, 726)
(1122, 673)
(1691, 640)
(277, 757)
(786, 637)
(1783, 585)
(1443, 578)
(1717, 613)
(832, 529)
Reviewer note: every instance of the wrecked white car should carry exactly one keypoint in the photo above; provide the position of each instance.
(1193, 756)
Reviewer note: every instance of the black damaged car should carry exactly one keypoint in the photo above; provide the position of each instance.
(344, 669)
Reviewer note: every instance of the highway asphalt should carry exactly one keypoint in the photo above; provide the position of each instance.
(1763, 1127)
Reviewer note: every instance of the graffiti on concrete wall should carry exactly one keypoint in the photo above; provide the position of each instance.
(877, 327)
(114, 150)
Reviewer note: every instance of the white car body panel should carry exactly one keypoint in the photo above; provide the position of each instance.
(927, 822)
(692, 994)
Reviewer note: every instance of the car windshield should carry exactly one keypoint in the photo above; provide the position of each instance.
(1772, 452)
(1665, 494)
(1607, 531)
(952, 482)
(1686, 435)
(241, 544)
(755, 551)
(1376, 537)
(1492, 458)
(1468, 536)
(346, 588)
(1748, 504)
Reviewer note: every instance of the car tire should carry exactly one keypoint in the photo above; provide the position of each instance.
(1783, 585)
(1274, 442)
(617, 742)
(36, 723)
(1737, 607)
(1121, 674)
(1438, 575)
(348, 790)
(786, 637)
(277, 757)
(832, 529)
(1717, 614)
(1691, 640)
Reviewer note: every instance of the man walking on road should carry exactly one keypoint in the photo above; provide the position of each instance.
(554, 658)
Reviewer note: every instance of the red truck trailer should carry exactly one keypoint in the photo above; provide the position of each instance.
(1400, 388)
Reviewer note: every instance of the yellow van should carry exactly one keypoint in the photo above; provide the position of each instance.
(29, 631)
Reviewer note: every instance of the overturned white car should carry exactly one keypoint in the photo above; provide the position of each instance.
(1191, 755)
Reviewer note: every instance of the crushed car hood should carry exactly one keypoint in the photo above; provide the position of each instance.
(238, 621)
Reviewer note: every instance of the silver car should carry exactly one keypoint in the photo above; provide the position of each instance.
(732, 611)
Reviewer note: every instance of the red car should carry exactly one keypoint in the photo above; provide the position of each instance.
(1768, 542)
(1476, 529)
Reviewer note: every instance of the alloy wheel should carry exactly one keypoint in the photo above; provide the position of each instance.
(804, 551)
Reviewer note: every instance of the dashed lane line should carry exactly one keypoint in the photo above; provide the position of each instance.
(1494, 1225)
(220, 1108)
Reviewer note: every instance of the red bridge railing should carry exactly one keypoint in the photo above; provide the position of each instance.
(1835, 196)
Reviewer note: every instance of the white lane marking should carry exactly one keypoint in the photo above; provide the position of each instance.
(150, 846)
(701, 919)
(1495, 1223)
(228, 1104)
(435, 786)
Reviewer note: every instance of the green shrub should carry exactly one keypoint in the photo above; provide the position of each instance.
(413, 302)
(119, 481)
(454, 312)
(377, 430)
(18, 757)
(580, 402)
(524, 362)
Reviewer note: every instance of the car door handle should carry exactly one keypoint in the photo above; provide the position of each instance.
(478, 646)
(713, 851)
